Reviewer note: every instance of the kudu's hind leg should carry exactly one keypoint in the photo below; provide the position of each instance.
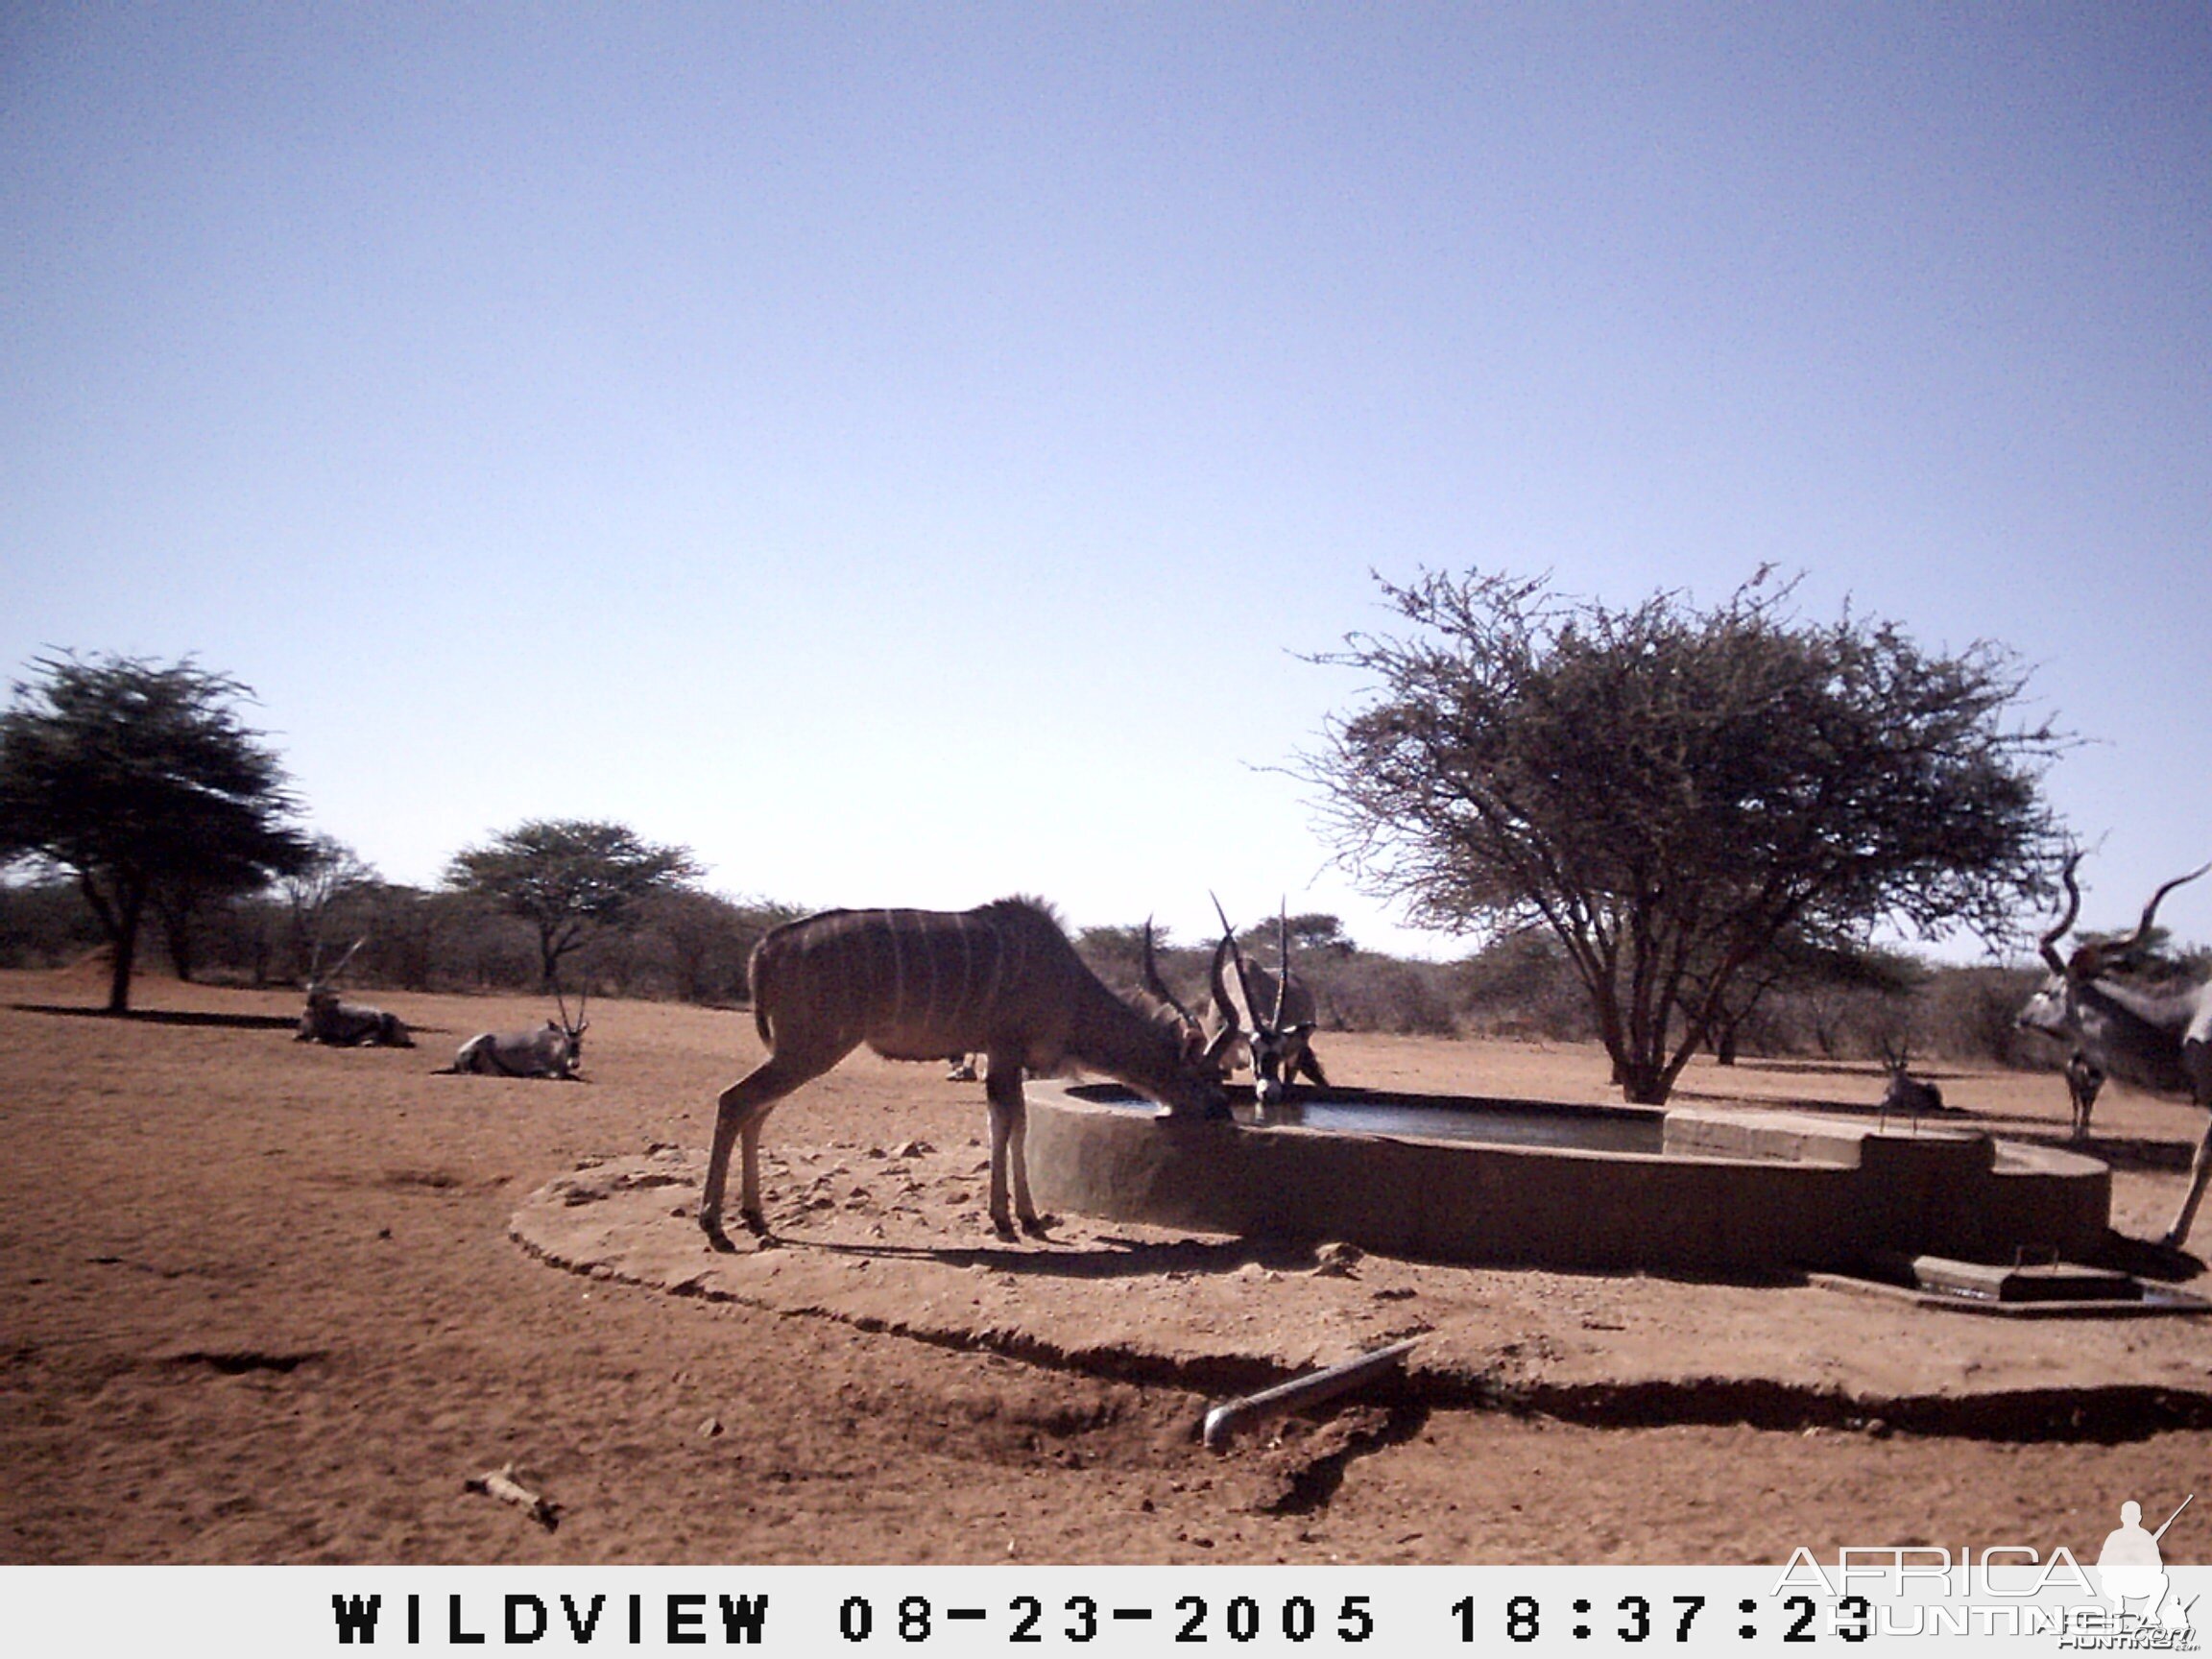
(739, 1111)
(2199, 1174)
(2196, 1062)
(1009, 1147)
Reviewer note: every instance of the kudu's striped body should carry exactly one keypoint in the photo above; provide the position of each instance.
(2153, 1039)
(1000, 980)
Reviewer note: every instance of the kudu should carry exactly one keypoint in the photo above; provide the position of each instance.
(553, 1050)
(2085, 1079)
(2153, 1039)
(1270, 1017)
(344, 1024)
(1000, 980)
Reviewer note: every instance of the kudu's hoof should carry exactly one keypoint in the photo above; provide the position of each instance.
(1039, 1226)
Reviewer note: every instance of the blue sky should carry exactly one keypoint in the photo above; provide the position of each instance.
(905, 453)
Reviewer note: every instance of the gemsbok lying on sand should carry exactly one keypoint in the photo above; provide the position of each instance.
(553, 1050)
(1000, 980)
(327, 1019)
(1907, 1095)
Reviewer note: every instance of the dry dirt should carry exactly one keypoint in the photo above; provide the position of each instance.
(266, 1302)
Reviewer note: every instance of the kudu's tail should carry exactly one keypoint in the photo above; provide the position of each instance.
(759, 974)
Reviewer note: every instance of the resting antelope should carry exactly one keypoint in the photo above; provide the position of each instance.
(553, 1050)
(346, 1025)
(1277, 1044)
(1000, 980)
(1907, 1095)
(2154, 1039)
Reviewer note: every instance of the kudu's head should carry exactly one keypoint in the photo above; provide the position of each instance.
(1254, 1013)
(2055, 1009)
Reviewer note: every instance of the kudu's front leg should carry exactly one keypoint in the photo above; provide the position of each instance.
(1009, 1147)
(739, 1111)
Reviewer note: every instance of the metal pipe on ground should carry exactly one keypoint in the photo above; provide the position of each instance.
(1231, 1415)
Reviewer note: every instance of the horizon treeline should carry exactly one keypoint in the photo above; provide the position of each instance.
(689, 944)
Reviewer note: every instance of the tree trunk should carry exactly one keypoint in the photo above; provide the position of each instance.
(177, 923)
(129, 905)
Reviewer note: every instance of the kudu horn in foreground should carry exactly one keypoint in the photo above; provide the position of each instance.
(1000, 980)
(1211, 1041)
(553, 1050)
(2154, 1039)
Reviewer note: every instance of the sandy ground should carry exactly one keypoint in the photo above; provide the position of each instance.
(265, 1302)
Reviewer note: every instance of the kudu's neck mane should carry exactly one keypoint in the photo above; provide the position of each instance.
(1107, 1034)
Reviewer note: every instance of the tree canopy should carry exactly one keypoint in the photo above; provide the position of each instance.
(569, 878)
(1667, 791)
(141, 780)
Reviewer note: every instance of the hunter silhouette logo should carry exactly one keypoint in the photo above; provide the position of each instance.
(2131, 1569)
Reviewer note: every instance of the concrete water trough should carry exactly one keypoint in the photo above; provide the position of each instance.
(1580, 1187)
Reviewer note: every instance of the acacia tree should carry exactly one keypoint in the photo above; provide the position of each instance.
(569, 878)
(1667, 791)
(141, 780)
